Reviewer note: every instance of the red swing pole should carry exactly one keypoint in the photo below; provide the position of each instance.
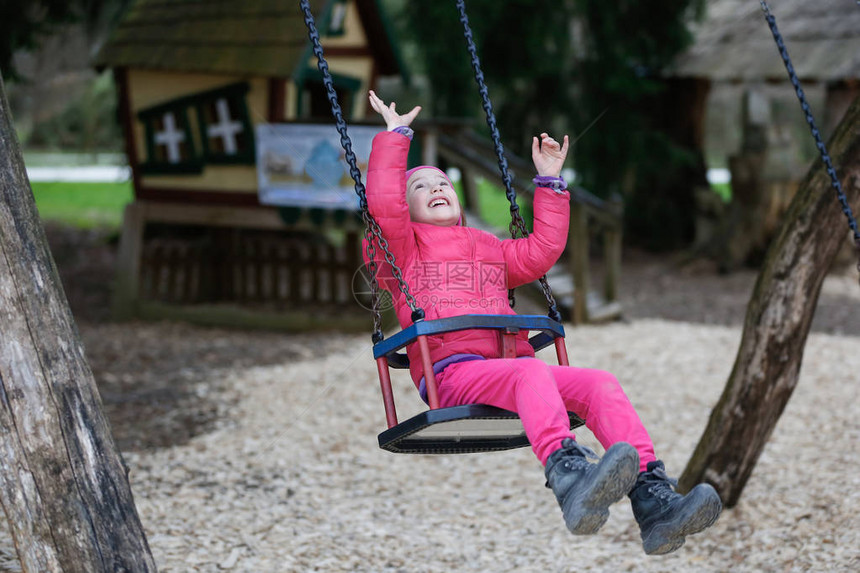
(387, 393)
(429, 376)
(561, 351)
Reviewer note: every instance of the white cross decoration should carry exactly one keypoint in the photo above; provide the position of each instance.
(226, 128)
(171, 138)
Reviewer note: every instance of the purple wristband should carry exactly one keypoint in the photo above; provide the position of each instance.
(557, 184)
(404, 130)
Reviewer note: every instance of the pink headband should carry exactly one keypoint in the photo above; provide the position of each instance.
(409, 173)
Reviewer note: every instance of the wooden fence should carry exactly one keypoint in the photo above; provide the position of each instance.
(249, 266)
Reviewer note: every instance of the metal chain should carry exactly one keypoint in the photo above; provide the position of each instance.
(819, 143)
(517, 225)
(373, 268)
(372, 230)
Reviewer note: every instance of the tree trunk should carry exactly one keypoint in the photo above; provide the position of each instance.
(777, 322)
(63, 484)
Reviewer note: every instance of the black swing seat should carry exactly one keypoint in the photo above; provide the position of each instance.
(467, 429)
(470, 428)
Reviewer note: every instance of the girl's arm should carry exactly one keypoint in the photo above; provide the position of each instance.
(386, 185)
(529, 258)
(386, 178)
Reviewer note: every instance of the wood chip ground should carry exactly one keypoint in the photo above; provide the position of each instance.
(278, 470)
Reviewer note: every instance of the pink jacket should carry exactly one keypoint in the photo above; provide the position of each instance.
(457, 270)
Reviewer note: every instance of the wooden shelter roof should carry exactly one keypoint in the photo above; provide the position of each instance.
(734, 42)
(258, 37)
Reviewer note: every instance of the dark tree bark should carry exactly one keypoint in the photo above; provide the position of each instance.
(63, 484)
(777, 321)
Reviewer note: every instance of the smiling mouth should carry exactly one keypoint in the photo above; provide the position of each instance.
(438, 202)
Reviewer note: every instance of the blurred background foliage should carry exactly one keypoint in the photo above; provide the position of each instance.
(587, 68)
(58, 100)
(26, 23)
(88, 123)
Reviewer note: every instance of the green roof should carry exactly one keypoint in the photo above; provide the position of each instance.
(256, 37)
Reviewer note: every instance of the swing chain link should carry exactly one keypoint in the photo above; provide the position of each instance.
(807, 111)
(517, 226)
(372, 230)
(373, 269)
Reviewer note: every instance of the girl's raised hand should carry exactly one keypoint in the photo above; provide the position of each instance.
(388, 113)
(548, 155)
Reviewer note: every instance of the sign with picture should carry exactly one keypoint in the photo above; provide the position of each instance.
(304, 165)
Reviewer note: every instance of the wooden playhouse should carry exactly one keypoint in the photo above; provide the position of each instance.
(208, 93)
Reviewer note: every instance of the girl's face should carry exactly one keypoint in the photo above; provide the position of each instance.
(431, 198)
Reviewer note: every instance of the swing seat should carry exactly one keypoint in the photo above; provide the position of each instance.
(469, 428)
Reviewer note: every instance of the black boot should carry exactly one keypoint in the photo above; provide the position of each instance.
(585, 490)
(665, 518)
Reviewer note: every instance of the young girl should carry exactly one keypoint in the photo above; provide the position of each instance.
(452, 270)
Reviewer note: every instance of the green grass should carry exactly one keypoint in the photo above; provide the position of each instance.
(85, 205)
(493, 205)
(724, 190)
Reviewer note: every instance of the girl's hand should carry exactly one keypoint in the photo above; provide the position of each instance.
(548, 155)
(391, 117)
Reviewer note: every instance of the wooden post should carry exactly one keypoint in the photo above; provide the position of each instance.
(127, 290)
(430, 147)
(612, 253)
(578, 249)
(470, 189)
(63, 484)
(612, 260)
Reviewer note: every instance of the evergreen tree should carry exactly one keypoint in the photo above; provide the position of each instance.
(23, 23)
(526, 54)
(627, 45)
(584, 67)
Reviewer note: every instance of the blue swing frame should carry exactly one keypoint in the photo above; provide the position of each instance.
(550, 330)
(467, 428)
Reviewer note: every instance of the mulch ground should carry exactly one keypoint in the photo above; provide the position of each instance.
(158, 380)
(253, 451)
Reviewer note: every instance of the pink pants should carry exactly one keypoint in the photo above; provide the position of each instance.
(542, 394)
